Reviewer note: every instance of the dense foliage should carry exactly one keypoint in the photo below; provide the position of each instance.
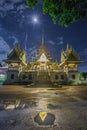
(83, 75)
(63, 12)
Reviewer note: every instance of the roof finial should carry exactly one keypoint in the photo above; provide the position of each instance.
(68, 47)
(42, 37)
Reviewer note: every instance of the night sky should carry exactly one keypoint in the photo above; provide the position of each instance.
(17, 25)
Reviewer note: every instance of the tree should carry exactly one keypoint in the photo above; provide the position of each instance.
(83, 75)
(63, 12)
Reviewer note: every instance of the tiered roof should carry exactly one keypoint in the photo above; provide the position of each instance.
(70, 56)
(16, 55)
(43, 52)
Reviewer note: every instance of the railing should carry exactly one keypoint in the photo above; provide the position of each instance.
(14, 68)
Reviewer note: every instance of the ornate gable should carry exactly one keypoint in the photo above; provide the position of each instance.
(73, 56)
(69, 56)
(43, 55)
(15, 53)
(43, 58)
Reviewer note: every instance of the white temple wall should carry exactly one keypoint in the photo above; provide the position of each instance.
(28, 77)
(58, 77)
(73, 77)
(12, 77)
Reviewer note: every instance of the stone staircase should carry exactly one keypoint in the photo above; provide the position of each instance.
(43, 78)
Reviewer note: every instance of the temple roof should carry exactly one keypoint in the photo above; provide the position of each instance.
(70, 55)
(43, 54)
(16, 55)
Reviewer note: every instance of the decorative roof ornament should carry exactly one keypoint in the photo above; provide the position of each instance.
(63, 56)
(43, 54)
(70, 56)
(68, 48)
(42, 38)
(15, 50)
(16, 55)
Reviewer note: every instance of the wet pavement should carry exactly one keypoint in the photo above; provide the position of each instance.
(63, 108)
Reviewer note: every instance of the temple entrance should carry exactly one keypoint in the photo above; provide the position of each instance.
(43, 77)
(43, 66)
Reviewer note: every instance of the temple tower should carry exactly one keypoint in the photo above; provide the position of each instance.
(69, 62)
(16, 61)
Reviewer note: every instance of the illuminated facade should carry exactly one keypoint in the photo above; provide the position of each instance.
(43, 69)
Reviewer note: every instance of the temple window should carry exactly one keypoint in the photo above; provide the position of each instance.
(62, 77)
(56, 77)
(73, 76)
(12, 76)
(30, 76)
(10, 65)
(24, 77)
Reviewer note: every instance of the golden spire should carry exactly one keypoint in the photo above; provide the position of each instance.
(42, 47)
(71, 54)
(68, 47)
(62, 51)
(63, 56)
(43, 50)
(42, 38)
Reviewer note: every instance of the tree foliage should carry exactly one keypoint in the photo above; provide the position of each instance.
(63, 12)
(83, 75)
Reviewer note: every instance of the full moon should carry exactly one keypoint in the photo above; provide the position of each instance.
(35, 19)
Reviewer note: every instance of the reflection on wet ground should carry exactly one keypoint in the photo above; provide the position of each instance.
(42, 98)
(44, 118)
(12, 104)
(61, 107)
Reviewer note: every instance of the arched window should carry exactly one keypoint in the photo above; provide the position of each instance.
(24, 76)
(73, 76)
(29, 76)
(12, 76)
(56, 77)
(62, 77)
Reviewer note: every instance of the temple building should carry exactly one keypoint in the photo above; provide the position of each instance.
(43, 69)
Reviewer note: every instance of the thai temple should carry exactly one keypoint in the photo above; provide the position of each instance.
(43, 69)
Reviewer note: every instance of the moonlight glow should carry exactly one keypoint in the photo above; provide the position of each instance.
(35, 19)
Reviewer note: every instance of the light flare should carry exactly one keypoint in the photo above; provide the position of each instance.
(35, 19)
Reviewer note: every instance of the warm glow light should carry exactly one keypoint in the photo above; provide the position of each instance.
(43, 115)
(43, 58)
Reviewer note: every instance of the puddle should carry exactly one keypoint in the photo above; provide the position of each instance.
(51, 106)
(44, 118)
(12, 104)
